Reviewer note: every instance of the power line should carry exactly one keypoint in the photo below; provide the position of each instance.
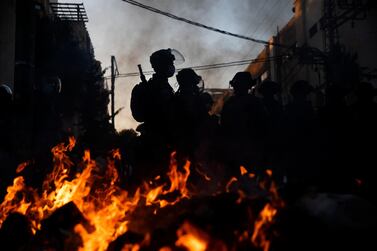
(135, 3)
(210, 66)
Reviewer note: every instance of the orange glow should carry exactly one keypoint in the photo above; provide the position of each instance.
(116, 154)
(178, 182)
(165, 249)
(259, 237)
(10, 203)
(266, 217)
(230, 182)
(21, 167)
(205, 176)
(191, 238)
(243, 170)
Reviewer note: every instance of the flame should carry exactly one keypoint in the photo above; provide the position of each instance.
(10, 203)
(191, 238)
(230, 182)
(153, 194)
(138, 246)
(178, 182)
(204, 175)
(266, 216)
(243, 170)
(22, 166)
(107, 207)
(131, 247)
(116, 154)
(165, 249)
(106, 211)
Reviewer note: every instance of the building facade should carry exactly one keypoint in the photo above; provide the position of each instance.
(311, 37)
(47, 59)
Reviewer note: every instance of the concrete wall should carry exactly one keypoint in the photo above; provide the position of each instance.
(361, 37)
(7, 41)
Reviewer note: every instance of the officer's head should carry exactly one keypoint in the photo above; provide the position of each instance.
(188, 80)
(162, 62)
(242, 82)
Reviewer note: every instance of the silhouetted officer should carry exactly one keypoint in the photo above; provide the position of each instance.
(337, 125)
(151, 101)
(299, 135)
(189, 111)
(243, 121)
(269, 89)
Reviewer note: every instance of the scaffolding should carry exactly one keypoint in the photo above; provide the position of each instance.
(72, 12)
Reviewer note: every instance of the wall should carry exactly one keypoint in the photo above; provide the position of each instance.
(7, 41)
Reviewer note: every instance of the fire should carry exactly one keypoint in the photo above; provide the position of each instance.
(243, 170)
(108, 218)
(230, 182)
(10, 203)
(266, 217)
(108, 208)
(204, 175)
(178, 182)
(21, 167)
(191, 238)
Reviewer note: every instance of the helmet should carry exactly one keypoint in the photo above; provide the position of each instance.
(6, 94)
(242, 80)
(188, 76)
(163, 56)
(5, 90)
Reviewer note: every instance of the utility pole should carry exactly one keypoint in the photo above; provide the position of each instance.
(114, 74)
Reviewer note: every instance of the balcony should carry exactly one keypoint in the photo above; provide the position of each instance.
(71, 12)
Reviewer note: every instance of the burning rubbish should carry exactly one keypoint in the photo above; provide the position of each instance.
(82, 207)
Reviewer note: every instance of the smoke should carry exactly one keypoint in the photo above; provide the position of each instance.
(132, 34)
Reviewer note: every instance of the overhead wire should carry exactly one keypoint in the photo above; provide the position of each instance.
(170, 15)
(209, 66)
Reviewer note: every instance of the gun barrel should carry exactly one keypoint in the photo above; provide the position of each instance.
(142, 76)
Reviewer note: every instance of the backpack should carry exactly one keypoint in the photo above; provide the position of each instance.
(139, 101)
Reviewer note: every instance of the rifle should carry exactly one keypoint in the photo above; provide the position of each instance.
(142, 76)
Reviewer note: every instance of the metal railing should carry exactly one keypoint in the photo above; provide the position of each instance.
(73, 12)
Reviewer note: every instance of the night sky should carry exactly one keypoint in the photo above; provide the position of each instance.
(132, 34)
